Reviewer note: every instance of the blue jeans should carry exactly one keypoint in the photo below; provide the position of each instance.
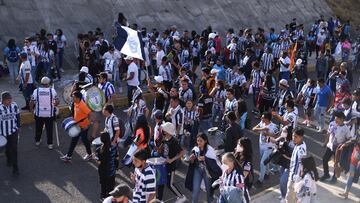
(27, 92)
(216, 112)
(229, 195)
(285, 75)
(13, 70)
(256, 92)
(199, 175)
(284, 176)
(319, 112)
(59, 61)
(265, 152)
(350, 177)
(83, 134)
(33, 73)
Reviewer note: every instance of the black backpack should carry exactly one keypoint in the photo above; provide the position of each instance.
(13, 55)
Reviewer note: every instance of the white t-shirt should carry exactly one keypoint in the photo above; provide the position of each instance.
(263, 139)
(285, 61)
(135, 80)
(25, 68)
(44, 98)
(60, 42)
(159, 55)
(114, 56)
(31, 58)
(337, 135)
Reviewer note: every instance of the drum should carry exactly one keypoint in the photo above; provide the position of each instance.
(94, 98)
(212, 130)
(96, 142)
(3, 142)
(158, 164)
(71, 127)
(67, 93)
(216, 137)
(130, 153)
(142, 75)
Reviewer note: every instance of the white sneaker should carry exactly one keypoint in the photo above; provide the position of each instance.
(87, 157)
(181, 199)
(282, 200)
(319, 129)
(65, 158)
(51, 146)
(38, 143)
(62, 70)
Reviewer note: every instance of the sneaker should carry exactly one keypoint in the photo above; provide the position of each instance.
(87, 157)
(304, 122)
(282, 200)
(308, 124)
(324, 177)
(258, 184)
(319, 129)
(344, 195)
(38, 143)
(65, 158)
(181, 199)
(62, 70)
(51, 146)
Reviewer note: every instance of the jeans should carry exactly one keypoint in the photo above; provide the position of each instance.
(84, 139)
(204, 125)
(33, 73)
(13, 70)
(59, 61)
(231, 194)
(256, 92)
(216, 112)
(27, 92)
(130, 93)
(285, 75)
(39, 124)
(265, 152)
(200, 175)
(319, 113)
(283, 181)
(350, 177)
(11, 150)
(326, 158)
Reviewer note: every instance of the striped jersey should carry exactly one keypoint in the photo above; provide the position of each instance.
(266, 60)
(145, 184)
(166, 72)
(219, 98)
(108, 89)
(190, 116)
(257, 77)
(230, 105)
(276, 50)
(235, 179)
(298, 153)
(9, 119)
(177, 118)
(112, 125)
(44, 98)
(185, 95)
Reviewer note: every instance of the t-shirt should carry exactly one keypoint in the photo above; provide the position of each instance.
(322, 96)
(285, 61)
(205, 103)
(108, 89)
(177, 118)
(159, 55)
(133, 69)
(263, 139)
(112, 125)
(298, 153)
(145, 184)
(44, 99)
(171, 149)
(140, 139)
(81, 111)
(337, 135)
(60, 41)
(24, 69)
(31, 58)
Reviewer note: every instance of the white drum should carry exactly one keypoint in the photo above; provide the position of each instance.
(71, 127)
(130, 153)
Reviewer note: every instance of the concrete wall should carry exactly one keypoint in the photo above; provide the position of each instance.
(20, 18)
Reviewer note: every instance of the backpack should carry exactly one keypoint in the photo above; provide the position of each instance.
(13, 55)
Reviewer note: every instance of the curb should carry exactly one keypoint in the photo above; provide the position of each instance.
(64, 111)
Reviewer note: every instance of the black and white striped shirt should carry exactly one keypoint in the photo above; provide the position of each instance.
(236, 179)
(276, 50)
(177, 118)
(145, 184)
(9, 119)
(257, 76)
(44, 98)
(190, 116)
(166, 72)
(230, 105)
(266, 60)
(185, 95)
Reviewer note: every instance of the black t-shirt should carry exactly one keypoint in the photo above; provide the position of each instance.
(205, 103)
(171, 149)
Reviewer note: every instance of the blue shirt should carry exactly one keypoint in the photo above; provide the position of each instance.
(221, 74)
(322, 96)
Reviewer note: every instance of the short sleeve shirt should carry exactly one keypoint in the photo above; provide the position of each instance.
(24, 69)
(145, 184)
(133, 68)
(82, 111)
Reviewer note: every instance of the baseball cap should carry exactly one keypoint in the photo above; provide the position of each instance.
(158, 114)
(84, 69)
(284, 82)
(5, 95)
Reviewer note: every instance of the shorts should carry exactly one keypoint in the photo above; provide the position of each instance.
(196, 61)
(308, 111)
(95, 116)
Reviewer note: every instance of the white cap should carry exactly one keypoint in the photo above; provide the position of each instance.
(214, 71)
(298, 62)
(168, 127)
(129, 58)
(212, 35)
(45, 80)
(84, 69)
(284, 82)
(159, 79)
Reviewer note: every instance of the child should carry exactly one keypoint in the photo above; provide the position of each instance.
(305, 187)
